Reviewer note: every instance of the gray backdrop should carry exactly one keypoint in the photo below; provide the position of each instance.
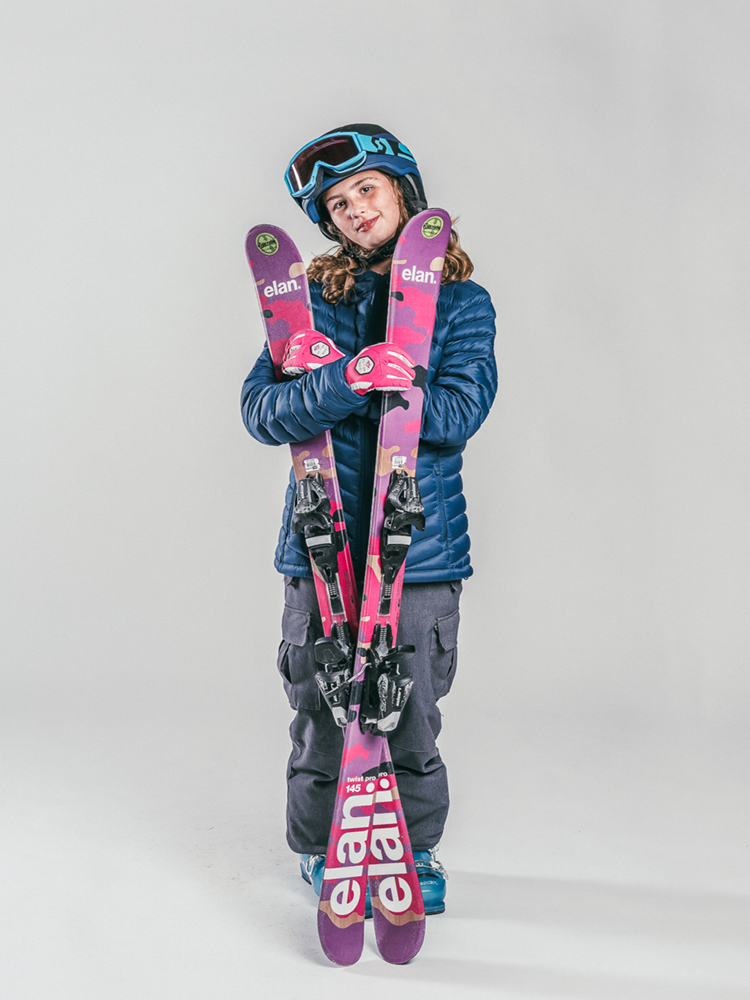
(597, 156)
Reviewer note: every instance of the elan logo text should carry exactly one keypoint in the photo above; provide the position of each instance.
(412, 274)
(279, 287)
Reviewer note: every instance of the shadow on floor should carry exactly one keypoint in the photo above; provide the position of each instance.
(450, 976)
(605, 907)
(680, 931)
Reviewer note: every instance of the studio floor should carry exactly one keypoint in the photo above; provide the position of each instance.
(144, 858)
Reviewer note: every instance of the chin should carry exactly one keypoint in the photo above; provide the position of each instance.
(368, 241)
(368, 245)
(376, 242)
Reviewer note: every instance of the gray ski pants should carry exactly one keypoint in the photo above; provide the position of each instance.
(429, 620)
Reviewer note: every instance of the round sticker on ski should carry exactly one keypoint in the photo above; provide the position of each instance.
(431, 227)
(266, 243)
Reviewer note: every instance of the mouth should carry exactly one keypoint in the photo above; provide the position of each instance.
(366, 226)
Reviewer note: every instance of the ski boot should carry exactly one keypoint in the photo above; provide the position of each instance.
(432, 878)
(430, 872)
(311, 868)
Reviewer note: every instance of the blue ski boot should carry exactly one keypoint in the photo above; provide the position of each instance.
(431, 875)
(311, 868)
(432, 878)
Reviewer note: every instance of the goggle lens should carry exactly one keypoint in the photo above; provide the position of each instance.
(331, 152)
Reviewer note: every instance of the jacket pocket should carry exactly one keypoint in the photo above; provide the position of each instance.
(296, 661)
(444, 653)
(442, 512)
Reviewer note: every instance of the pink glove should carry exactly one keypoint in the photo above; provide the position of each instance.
(308, 350)
(382, 367)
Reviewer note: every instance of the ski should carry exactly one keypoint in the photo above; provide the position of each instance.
(284, 299)
(369, 840)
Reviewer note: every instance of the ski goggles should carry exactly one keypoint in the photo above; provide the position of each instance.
(338, 154)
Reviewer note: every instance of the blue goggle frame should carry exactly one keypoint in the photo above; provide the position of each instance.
(310, 160)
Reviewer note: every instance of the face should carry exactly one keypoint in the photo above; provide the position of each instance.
(364, 207)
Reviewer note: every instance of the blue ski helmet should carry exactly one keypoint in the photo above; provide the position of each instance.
(345, 151)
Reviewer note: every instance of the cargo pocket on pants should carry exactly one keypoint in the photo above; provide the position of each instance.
(444, 653)
(296, 661)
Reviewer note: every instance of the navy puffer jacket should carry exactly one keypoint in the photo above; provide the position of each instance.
(461, 385)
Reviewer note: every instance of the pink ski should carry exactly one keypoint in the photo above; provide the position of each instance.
(369, 834)
(284, 298)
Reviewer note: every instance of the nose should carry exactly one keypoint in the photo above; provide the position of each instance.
(356, 205)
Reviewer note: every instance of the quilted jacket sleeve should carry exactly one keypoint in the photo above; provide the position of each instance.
(461, 394)
(282, 412)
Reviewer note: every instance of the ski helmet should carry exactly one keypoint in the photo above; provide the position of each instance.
(345, 151)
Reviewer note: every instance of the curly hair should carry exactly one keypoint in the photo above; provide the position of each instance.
(337, 269)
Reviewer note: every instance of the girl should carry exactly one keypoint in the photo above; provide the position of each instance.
(361, 185)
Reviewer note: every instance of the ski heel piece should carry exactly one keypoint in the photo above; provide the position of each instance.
(387, 686)
(312, 515)
(334, 679)
(404, 510)
(394, 688)
(388, 682)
